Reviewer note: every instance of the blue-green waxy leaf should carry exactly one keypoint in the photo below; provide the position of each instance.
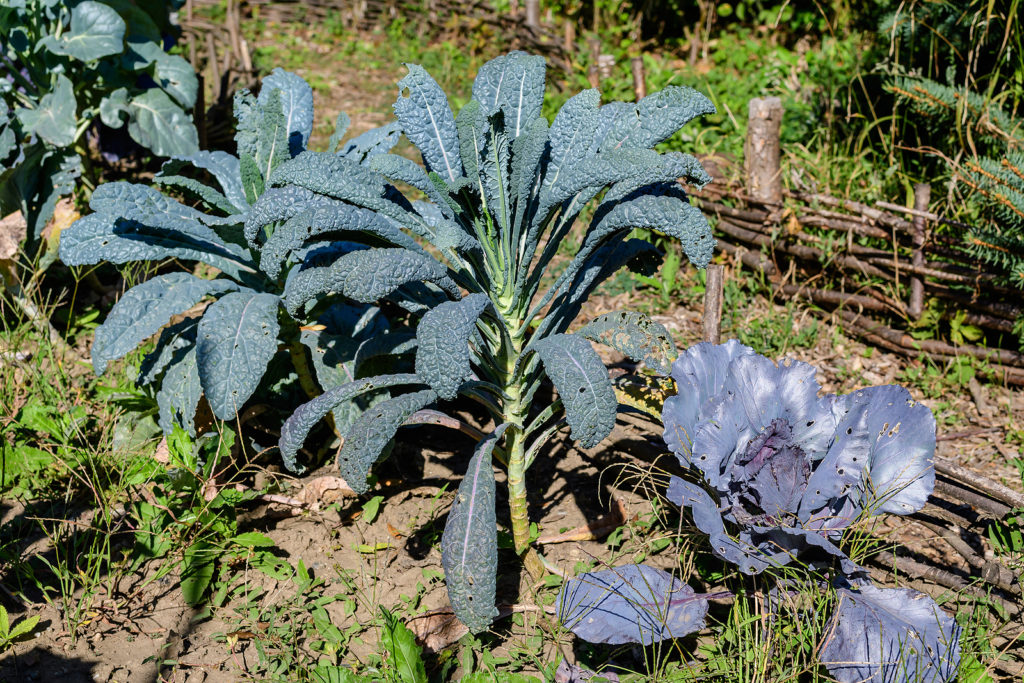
(180, 391)
(636, 336)
(296, 105)
(236, 339)
(513, 83)
(395, 167)
(191, 187)
(890, 635)
(147, 307)
(527, 152)
(54, 118)
(112, 106)
(469, 546)
(442, 338)
(366, 276)
(428, 122)
(96, 31)
(370, 434)
(248, 120)
(297, 427)
(653, 119)
(583, 385)
(159, 124)
(323, 218)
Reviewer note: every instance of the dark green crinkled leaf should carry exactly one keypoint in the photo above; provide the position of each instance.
(277, 204)
(96, 31)
(274, 148)
(296, 428)
(572, 133)
(655, 118)
(191, 187)
(236, 339)
(366, 276)
(101, 237)
(334, 176)
(636, 336)
(222, 166)
(323, 218)
(583, 385)
(147, 307)
(172, 338)
(180, 391)
(370, 434)
(252, 179)
(442, 337)
(53, 119)
(372, 143)
(247, 123)
(390, 344)
(469, 546)
(341, 125)
(427, 121)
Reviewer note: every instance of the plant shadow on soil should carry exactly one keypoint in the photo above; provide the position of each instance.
(143, 630)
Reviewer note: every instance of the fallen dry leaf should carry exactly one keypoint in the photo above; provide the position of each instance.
(13, 230)
(437, 629)
(592, 531)
(64, 214)
(393, 531)
(323, 490)
(163, 453)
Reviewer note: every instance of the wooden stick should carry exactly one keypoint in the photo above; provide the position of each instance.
(762, 151)
(639, 81)
(922, 193)
(994, 489)
(713, 305)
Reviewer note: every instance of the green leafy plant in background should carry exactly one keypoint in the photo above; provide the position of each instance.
(243, 341)
(69, 65)
(505, 188)
(13, 631)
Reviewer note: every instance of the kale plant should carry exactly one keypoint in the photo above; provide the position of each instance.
(222, 351)
(791, 471)
(474, 264)
(68, 65)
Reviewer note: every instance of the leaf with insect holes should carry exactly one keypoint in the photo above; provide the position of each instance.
(630, 604)
(442, 341)
(469, 546)
(236, 339)
(583, 385)
(883, 635)
(636, 336)
(296, 428)
(427, 121)
(372, 431)
(296, 105)
(147, 307)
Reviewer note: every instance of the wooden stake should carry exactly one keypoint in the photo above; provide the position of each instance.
(762, 153)
(922, 193)
(713, 305)
(639, 81)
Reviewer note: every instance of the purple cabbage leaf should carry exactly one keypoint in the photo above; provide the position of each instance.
(630, 604)
(791, 468)
(890, 635)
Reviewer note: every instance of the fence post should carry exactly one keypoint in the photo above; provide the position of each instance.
(922, 194)
(713, 305)
(639, 80)
(762, 150)
(533, 13)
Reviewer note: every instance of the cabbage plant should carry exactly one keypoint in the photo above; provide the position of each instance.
(791, 470)
(469, 251)
(68, 65)
(238, 327)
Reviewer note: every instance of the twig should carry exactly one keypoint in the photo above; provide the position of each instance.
(994, 489)
(713, 305)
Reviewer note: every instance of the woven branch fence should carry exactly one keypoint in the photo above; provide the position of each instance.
(808, 245)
